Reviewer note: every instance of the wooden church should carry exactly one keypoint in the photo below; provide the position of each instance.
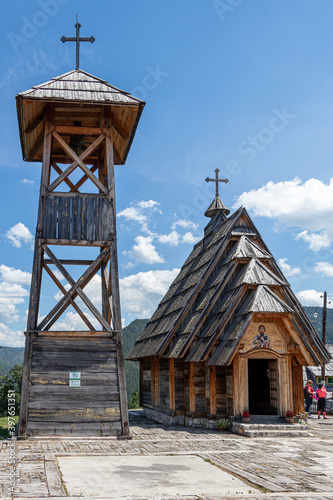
(78, 126)
(229, 335)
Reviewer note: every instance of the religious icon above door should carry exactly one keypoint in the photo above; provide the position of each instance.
(261, 339)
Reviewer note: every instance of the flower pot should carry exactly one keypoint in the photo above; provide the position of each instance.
(246, 420)
(290, 420)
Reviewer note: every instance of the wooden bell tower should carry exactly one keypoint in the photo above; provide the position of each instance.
(74, 380)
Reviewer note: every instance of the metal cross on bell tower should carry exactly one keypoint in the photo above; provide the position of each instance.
(217, 180)
(77, 39)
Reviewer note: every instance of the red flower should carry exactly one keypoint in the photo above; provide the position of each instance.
(245, 414)
(290, 413)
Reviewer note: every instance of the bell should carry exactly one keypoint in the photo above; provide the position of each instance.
(76, 144)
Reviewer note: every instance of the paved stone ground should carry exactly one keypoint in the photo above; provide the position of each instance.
(277, 468)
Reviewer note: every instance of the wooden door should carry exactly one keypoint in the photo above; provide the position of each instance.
(274, 386)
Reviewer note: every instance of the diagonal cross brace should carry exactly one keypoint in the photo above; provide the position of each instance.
(79, 161)
(71, 301)
(75, 164)
(76, 289)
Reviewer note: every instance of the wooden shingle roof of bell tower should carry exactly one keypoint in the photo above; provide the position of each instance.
(77, 97)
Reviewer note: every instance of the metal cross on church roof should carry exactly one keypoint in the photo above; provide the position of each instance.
(77, 39)
(217, 180)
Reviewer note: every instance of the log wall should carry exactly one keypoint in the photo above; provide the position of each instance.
(55, 408)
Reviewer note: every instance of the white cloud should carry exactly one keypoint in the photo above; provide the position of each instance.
(148, 204)
(140, 293)
(145, 251)
(12, 275)
(141, 212)
(190, 238)
(307, 205)
(310, 297)
(185, 224)
(287, 269)
(324, 268)
(171, 239)
(27, 181)
(11, 295)
(19, 234)
(10, 338)
(316, 241)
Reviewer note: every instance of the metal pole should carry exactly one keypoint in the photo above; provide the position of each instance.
(324, 334)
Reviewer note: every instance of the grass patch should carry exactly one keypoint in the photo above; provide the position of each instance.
(4, 426)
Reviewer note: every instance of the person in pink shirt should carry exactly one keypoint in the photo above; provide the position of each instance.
(321, 394)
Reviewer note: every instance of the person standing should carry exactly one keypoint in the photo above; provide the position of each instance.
(308, 395)
(321, 394)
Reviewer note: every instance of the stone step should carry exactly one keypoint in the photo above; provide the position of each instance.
(274, 433)
(270, 426)
(270, 430)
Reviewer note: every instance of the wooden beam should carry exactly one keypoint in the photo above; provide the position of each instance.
(71, 194)
(212, 390)
(36, 145)
(59, 172)
(76, 288)
(36, 279)
(191, 387)
(71, 301)
(123, 134)
(298, 392)
(85, 177)
(114, 278)
(172, 395)
(79, 291)
(70, 262)
(79, 161)
(31, 127)
(75, 164)
(71, 130)
(77, 243)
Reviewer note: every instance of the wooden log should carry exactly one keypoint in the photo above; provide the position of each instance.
(298, 392)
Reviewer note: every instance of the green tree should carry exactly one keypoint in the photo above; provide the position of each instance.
(133, 401)
(11, 382)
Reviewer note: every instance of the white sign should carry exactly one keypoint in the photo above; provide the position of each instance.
(74, 379)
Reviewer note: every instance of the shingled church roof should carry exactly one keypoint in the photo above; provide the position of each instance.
(228, 278)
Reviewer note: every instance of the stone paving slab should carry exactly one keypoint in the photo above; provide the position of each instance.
(279, 468)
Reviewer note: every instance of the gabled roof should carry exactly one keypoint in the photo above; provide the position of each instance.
(228, 278)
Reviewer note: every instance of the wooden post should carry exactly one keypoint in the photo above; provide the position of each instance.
(298, 392)
(172, 395)
(191, 387)
(36, 278)
(212, 387)
(114, 278)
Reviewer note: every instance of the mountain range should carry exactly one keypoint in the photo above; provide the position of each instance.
(10, 356)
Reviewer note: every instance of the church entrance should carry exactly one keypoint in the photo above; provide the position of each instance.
(263, 393)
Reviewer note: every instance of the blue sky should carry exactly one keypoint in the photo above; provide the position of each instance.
(243, 86)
